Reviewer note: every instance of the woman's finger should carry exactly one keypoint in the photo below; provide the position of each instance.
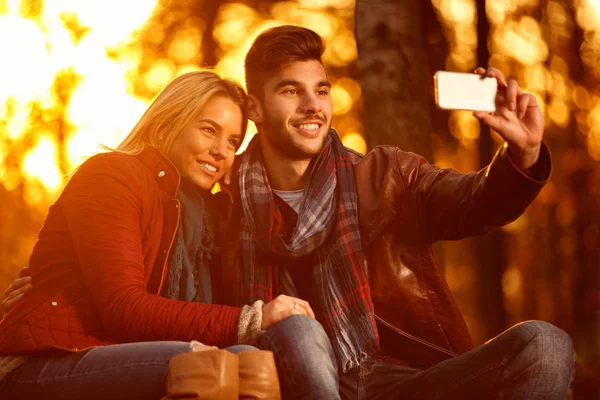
(303, 304)
(293, 311)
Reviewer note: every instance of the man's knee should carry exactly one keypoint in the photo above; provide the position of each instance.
(297, 327)
(300, 338)
(552, 345)
(304, 358)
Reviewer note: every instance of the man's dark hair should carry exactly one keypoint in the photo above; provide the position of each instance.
(277, 48)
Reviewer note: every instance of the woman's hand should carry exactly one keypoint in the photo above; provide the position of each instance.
(518, 119)
(282, 307)
(16, 290)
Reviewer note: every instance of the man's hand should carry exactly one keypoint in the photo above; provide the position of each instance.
(225, 181)
(16, 290)
(518, 119)
(282, 307)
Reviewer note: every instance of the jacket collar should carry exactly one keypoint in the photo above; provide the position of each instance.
(164, 171)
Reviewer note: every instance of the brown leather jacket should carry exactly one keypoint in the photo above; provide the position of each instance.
(406, 204)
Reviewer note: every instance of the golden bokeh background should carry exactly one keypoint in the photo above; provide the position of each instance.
(75, 74)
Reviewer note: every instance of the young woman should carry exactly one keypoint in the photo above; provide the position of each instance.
(122, 284)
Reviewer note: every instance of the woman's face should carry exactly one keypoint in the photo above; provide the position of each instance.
(204, 150)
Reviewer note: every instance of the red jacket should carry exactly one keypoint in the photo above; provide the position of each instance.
(101, 260)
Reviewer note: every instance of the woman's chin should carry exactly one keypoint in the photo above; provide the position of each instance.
(203, 182)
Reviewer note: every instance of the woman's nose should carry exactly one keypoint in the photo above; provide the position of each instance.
(219, 149)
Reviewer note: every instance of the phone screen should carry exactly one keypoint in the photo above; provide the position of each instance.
(464, 91)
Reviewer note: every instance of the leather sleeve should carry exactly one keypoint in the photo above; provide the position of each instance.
(452, 205)
(102, 206)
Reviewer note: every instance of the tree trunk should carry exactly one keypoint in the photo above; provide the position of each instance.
(394, 74)
(491, 254)
(208, 11)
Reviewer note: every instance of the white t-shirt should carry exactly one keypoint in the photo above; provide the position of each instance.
(292, 197)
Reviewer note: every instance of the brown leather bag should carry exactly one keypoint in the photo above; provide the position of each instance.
(258, 376)
(209, 374)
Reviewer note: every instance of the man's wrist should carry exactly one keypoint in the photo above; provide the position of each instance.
(525, 159)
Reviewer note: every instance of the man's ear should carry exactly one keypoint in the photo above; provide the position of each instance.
(255, 111)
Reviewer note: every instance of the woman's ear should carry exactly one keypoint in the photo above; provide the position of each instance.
(255, 112)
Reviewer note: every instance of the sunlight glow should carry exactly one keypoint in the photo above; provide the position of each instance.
(327, 3)
(588, 15)
(341, 49)
(22, 73)
(459, 18)
(67, 67)
(355, 141)
(124, 16)
(40, 163)
(342, 100)
(18, 121)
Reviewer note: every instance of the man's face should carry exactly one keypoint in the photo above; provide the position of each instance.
(296, 113)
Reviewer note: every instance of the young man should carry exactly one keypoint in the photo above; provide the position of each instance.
(352, 234)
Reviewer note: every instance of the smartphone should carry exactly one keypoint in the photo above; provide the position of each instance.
(464, 91)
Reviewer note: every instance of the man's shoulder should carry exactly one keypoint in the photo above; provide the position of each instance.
(379, 153)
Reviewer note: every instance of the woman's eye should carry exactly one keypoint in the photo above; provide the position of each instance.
(233, 143)
(209, 130)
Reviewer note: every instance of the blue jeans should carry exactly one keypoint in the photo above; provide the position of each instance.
(532, 360)
(304, 358)
(123, 371)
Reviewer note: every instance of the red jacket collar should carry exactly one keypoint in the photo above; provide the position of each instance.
(164, 171)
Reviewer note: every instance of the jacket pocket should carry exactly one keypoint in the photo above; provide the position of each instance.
(377, 228)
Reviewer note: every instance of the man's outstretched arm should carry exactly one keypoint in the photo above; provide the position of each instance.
(452, 205)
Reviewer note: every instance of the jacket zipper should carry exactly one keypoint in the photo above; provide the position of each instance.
(75, 350)
(225, 251)
(416, 339)
(165, 264)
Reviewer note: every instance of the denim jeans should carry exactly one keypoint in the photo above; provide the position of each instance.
(121, 372)
(304, 357)
(532, 360)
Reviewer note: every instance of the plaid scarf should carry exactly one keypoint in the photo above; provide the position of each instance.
(327, 230)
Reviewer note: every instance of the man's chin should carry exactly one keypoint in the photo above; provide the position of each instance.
(309, 151)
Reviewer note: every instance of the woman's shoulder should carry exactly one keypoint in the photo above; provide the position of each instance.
(113, 162)
(113, 169)
(113, 159)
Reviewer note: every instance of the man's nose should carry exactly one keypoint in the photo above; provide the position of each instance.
(311, 103)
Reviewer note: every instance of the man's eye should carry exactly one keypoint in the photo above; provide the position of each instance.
(323, 92)
(291, 91)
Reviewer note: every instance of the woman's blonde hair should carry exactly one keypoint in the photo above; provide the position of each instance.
(176, 106)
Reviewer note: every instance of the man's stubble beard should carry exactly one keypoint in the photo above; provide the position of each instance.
(284, 144)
